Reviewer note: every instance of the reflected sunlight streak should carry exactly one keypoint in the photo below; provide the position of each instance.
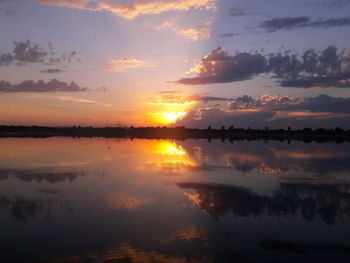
(169, 158)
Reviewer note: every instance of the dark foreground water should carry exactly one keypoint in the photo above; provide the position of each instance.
(111, 200)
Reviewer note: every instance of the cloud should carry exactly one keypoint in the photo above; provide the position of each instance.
(80, 100)
(274, 111)
(237, 12)
(195, 33)
(246, 111)
(331, 3)
(122, 64)
(169, 92)
(216, 117)
(41, 86)
(24, 52)
(227, 35)
(52, 71)
(285, 23)
(289, 23)
(192, 33)
(220, 67)
(311, 69)
(178, 98)
(337, 80)
(323, 103)
(265, 101)
(130, 10)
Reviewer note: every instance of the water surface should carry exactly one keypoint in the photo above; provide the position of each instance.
(119, 200)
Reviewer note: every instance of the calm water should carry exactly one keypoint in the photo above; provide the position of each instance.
(113, 200)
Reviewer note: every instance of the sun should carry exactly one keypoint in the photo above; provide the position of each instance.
(168, 117)
(170, 106)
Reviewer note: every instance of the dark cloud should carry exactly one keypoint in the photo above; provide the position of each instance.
(40, 86)
(227, 35)
(23, 52)
(201, 98)
(6, 59)
(220, 67)
(274, 111)
(331, 3)
(328, 68)
(320, 103)
(323, 103)
(285, 23)
(28, 52)
(338, 80)
(9, 12)
(217, 117)
(289, 23)
(265, 101)
(52, 71)
(237, 12)
(311, 122)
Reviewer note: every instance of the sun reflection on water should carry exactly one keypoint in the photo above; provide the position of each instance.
(169, 158)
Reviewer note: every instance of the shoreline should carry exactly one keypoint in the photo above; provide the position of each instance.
(178, 133)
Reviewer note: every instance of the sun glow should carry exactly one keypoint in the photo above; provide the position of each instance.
(168, 117)
(170, 106)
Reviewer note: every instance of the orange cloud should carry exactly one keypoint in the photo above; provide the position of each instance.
(195, 33)
(76, 4)
(72, 99)
(309, 114)
(192, 33)
(121, 64)
(130, 10)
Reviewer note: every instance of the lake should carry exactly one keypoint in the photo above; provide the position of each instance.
(121, 200)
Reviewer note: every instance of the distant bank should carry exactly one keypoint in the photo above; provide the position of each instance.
(179, 133)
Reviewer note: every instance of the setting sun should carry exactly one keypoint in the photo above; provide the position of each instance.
(167, 117)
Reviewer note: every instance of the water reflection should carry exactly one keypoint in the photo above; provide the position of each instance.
(169, 158)
(272, 158)
(39, 176)
(329, 202)
(22, 208)
(112, 200)
(127, 253)
(125, 201)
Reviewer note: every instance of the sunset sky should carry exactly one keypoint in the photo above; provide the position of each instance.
(193, 63)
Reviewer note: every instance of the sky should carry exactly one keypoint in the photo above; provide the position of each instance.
(193, 63)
